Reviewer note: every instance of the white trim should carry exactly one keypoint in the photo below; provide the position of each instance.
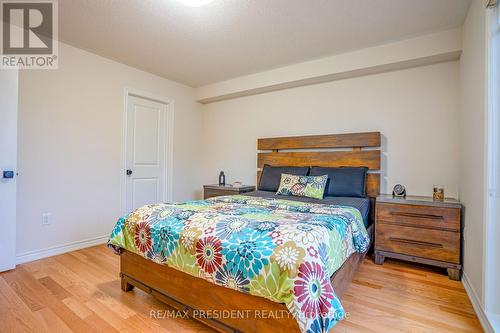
(492, 191)
(170, 103)
(22, 258)
(170, 150)
(486, 134)
(476, 304)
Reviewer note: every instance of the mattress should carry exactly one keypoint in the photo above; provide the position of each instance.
(362, 204)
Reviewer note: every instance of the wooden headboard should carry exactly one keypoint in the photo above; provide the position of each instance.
(332, 150)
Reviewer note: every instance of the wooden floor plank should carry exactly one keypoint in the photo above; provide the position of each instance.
(15, 315)
(78, 307)
(17, 283)
(106, 313)
(51, 322)
(28, 285)
(55, 288)
(80, 292)
(426, 310)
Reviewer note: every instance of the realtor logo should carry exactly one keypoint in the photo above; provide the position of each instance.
(29, 34)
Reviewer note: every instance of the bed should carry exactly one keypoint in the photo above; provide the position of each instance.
(231, 308)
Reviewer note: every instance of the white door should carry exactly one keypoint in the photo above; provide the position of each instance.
(146, 152)
(8, 159)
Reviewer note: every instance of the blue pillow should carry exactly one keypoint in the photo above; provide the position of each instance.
(343, 181)
(271, 176)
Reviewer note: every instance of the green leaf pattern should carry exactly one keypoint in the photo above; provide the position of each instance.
(273, 284)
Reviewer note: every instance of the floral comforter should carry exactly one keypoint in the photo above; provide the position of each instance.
(282, 250)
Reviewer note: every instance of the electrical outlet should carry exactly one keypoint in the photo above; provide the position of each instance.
(46, 218)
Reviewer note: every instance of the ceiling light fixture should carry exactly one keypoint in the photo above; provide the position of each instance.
(195, 3)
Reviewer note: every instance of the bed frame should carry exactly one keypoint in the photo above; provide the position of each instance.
(196, 297)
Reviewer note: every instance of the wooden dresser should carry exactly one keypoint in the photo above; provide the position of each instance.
(217, 190)
(421, 230)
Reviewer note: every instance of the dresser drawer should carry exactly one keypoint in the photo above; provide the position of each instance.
(420, 216)
(425, 243)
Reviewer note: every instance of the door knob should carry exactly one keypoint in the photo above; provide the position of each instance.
(129, 172)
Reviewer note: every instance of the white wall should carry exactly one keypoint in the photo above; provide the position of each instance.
(70, 146)
(473, 143)
(415, 109)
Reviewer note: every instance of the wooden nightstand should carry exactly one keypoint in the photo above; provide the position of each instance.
(421, 230)
(216, 190)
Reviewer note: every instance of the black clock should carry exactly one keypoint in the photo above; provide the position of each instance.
(399, 191)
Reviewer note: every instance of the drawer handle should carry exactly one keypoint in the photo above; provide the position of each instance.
(415, 242)
(425, 216)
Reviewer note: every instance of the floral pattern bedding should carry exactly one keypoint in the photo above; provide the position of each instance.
(282, 250)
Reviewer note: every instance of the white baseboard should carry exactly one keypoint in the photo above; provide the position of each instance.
(476, 304)
(22, 258)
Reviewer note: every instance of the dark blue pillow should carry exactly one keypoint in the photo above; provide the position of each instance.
(343, 181)
(271, 176)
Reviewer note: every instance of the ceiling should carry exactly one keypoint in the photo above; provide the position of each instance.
(231, 38)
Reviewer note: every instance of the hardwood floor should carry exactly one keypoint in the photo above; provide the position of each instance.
(80, 292)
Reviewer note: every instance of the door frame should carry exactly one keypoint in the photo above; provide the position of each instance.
(169, 144)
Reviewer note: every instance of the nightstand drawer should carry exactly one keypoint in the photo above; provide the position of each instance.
(420, 216)
(209, 193)
(425, 243)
